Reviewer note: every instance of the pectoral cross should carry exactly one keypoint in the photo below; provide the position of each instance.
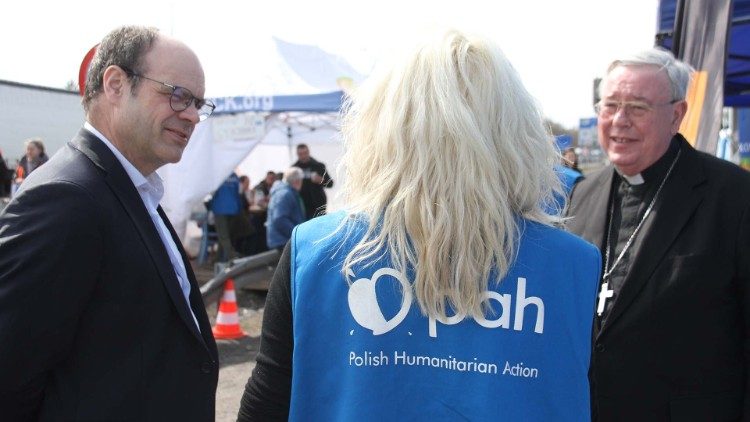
(604, 294)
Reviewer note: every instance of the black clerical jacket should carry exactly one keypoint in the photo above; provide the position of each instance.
(676, 343)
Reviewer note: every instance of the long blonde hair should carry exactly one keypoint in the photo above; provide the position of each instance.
(443, 152)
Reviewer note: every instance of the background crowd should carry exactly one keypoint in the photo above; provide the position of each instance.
(249, 221)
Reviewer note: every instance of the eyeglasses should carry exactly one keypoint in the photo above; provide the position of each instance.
(607, 109)
(180, 98)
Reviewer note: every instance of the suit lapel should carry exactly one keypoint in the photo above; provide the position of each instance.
(678, 200)
(196, 302)
(122, 186)
(589, 205)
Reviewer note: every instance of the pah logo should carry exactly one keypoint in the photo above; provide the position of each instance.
(363, 304)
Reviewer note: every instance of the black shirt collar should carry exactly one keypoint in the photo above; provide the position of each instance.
(659, 169)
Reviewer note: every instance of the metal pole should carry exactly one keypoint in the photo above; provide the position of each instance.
(238, 268)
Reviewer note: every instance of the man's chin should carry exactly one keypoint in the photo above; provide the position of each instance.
(172, 158)
(629, 169)
(623, 163)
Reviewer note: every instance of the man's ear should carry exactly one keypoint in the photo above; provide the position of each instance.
(680, 109)
(114, 83)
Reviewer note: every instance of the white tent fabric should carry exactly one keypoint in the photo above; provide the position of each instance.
(250, 143)
(285, 131)
(255, 134)
(315, 66)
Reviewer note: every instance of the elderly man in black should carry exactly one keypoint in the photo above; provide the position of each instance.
(673, 224)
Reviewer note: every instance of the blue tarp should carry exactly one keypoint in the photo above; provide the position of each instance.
(321, 103)
(563, 141)
(737, 76)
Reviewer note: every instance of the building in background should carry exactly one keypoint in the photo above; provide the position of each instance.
(31, 111)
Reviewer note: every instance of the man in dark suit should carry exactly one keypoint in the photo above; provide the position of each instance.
(100, 314)
(316, 178)
(672, 324)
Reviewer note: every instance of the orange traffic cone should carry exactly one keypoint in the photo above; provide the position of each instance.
(228, 320)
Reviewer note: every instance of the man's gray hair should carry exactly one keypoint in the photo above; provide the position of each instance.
(293, 174)
(124, 47)
(678, 72)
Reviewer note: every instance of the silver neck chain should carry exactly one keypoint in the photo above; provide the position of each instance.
(607, 270)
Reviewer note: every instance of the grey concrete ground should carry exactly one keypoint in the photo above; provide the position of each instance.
(236, 357)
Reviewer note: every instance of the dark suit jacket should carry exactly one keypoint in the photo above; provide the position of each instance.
(676, 343)
(93, 324)
(313, 194)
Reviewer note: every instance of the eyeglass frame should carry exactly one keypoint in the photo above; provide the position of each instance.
(202, 114)
(629, 106)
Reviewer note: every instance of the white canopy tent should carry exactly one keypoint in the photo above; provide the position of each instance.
(285, 130)
(251, 143)
(255, 134)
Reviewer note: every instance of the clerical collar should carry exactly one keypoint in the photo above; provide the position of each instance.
(633, 180)
(657, 170)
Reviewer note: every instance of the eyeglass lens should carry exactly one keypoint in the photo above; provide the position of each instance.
(182, 98)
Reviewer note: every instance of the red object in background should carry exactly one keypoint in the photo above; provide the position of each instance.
(84, 69)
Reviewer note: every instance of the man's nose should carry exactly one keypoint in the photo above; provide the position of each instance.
(191, 114)
(621, 116)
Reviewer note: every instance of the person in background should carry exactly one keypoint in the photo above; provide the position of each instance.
(672, 322)
(259, 211)
(34, 157)
(242, 227)
(432, 296)
(226, 205)
(247, 195)
(316, 179)
(5, 177)
(286, 209)
(278, 179)
(568, 178)
(101, 317)
(570, 159)
(262, 190)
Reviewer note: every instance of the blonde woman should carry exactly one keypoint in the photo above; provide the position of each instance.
(444, 292)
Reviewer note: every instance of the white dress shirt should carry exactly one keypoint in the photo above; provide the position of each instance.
(151, 190)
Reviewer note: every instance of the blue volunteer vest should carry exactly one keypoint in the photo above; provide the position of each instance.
(364, 352)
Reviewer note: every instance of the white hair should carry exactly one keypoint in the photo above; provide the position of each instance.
(443, 152)
(677, 71)
(293, 174)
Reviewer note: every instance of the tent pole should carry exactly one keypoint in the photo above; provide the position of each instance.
(289, 142)
(678, 28)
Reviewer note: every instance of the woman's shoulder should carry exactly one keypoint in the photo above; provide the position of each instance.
(325, 223)
(331, 228)
(555, 237)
